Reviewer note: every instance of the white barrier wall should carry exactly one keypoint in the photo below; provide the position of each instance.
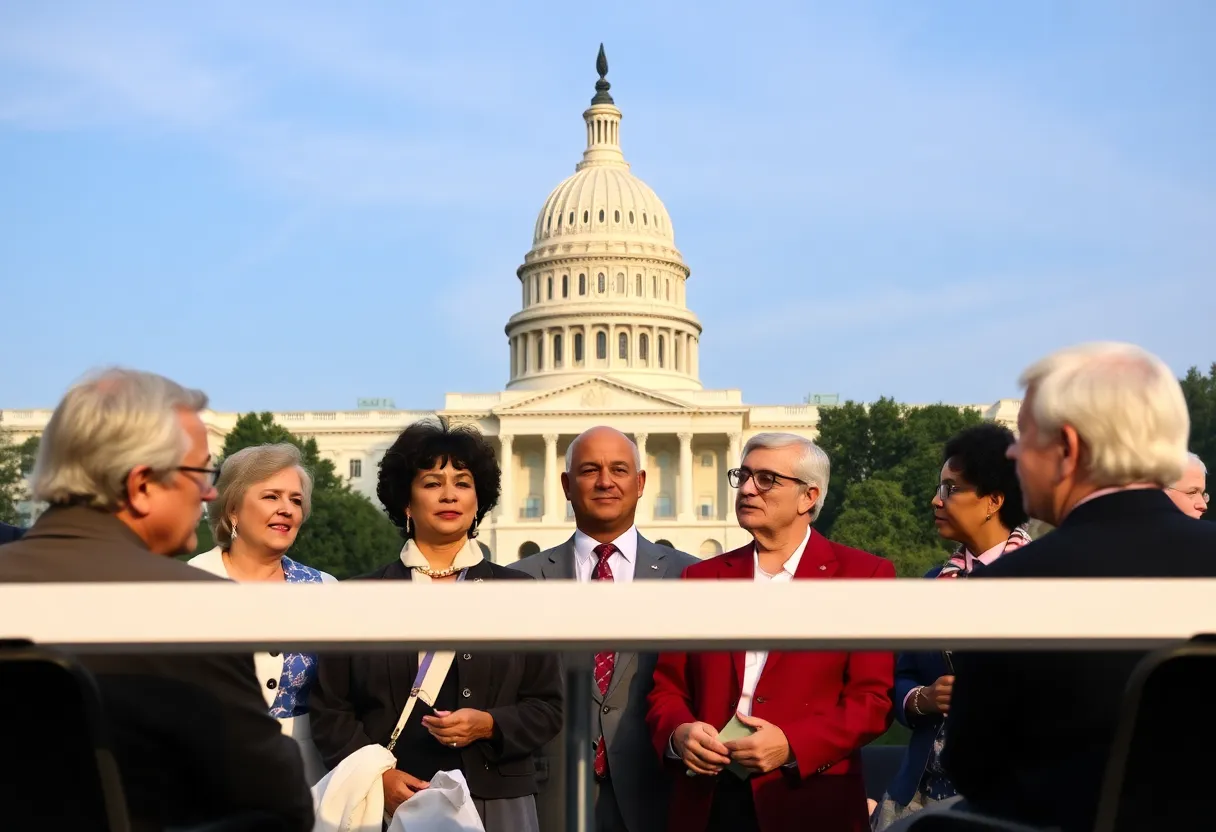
(521, 615)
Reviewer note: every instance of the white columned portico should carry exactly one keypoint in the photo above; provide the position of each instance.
(506, 497)
(644, 511)
(684, 512)
(551, 480)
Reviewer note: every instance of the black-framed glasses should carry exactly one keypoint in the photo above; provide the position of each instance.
(1192, 493)
(765, 480)
(213, 474)
(947, 488)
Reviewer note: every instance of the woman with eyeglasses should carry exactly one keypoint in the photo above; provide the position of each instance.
(263, 497)
(978, 505)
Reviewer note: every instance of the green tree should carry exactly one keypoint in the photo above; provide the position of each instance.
(1200, 393)
(879, 518)
(345, 534)
(12, 481)
(29, 454)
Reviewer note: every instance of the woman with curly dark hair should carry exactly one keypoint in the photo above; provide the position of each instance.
(482, 714)
(978, 504)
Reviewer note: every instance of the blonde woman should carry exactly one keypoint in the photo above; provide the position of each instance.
(264, 496)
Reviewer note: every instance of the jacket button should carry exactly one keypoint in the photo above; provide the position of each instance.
(275, 654)
(272, 684)
(466, 693)
(467, 656)
(760, 700)
(607, 709)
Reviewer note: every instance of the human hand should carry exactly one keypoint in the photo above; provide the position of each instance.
(764, 751)
(697, 744)
(399, 786)
(459, 728)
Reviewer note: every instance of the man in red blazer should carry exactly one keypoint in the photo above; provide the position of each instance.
(812, 712)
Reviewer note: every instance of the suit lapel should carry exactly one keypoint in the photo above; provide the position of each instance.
(560, 564)
(738, 565)
(818, 561)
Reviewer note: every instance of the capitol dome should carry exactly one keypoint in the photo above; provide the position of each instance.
(603, 286)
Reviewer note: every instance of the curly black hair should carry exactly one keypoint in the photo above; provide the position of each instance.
(429, 443)
(978, 453)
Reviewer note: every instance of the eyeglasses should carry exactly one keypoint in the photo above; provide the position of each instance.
(1192, 493)
(213, 475)
(765, 480)
(947, 488)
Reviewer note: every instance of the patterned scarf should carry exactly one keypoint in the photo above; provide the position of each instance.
(962, 562)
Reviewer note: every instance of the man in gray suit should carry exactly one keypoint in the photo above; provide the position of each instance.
(603, 481)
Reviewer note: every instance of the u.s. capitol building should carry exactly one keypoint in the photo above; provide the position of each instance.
(603, 335)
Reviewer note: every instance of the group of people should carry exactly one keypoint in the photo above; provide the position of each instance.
(687, 742)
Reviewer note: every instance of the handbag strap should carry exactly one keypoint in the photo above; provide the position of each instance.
(432, 671)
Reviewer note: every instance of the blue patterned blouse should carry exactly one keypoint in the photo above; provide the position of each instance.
(299, 669)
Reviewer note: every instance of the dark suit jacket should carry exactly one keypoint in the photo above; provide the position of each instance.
(10, 534)
(1030, 732)
(637, 776)
(829, 704)
(358, 698)
(191, 734)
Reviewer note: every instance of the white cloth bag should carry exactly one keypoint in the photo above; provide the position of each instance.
(445, 806)
(351, 797)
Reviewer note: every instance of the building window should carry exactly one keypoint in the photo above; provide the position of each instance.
(601, 346)
(586, 217)
(669, 289)
(644, 218)
(582, 284)
(622, 346)
(662, 343)
(705, 508)
(572, 218)
(557, 350)
(644, 347)
(639, 289)
(631, 218)
(707, 460)
(620, 284)
(532, 508)
(524, 356)
(662, 506)
(601, 283)
(549, 294)
(654, 285)
(616, 216)
(601, 215)
(356, 469)
(578, 348)
(540, 352)
(565, 285)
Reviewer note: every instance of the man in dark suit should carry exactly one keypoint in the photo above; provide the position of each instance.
(191, 735)
(10, 534)
(1103, 428)
(809, 713)
(604, 480)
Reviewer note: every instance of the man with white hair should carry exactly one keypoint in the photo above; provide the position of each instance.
(790, 726)
(1103, 429)
(125, 467)
(1190, 493)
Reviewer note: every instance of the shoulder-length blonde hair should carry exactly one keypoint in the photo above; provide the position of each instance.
(245, 469)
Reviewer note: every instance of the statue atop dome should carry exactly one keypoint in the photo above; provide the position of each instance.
(602, 86)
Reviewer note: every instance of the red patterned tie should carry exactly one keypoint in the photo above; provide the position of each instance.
(604, 662)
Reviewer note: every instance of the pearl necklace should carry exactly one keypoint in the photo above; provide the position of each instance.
(444, 573)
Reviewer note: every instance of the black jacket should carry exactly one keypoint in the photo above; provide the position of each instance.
(357, 699)
(191, 733)
(1029, 733)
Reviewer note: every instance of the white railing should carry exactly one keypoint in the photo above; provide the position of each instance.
(646, 615)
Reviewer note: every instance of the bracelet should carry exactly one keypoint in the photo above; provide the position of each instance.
(916, 701)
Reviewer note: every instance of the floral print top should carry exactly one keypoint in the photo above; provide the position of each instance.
(299, 669)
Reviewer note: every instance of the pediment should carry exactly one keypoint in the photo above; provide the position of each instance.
(600, 395)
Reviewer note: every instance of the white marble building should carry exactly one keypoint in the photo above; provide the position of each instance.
(603, 336)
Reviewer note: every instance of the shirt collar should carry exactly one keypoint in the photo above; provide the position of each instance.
(626, 544)
(470, 555)
(990, 555)
(791, 564)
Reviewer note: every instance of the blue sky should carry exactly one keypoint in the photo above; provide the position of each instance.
(293, 205)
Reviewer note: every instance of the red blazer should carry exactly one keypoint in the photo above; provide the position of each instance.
(828, 704)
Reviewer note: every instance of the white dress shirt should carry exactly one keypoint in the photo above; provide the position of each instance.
(753, 662)
(621, 562)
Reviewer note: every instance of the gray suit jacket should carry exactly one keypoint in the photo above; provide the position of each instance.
(191, 733)
(638, 780)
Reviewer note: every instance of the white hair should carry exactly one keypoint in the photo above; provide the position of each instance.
(1193, 459)
(104, 427)
(245, 469)
(637, 456)
(1125, 405)
(812, 467)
